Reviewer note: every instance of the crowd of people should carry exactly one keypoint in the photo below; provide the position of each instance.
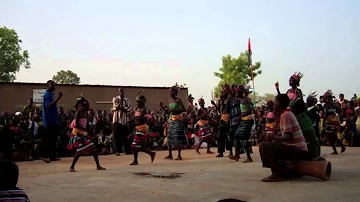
(231, 123)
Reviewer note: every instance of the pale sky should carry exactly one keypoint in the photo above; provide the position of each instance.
(159, 42)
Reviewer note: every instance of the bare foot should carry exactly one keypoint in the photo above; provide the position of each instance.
(248, 161)
(168, 157)
(134, 163)
(220, 155)
(117, 154)
(209, 152)
(72, 169)
(55, 159)
(235, 158)
(178, 158)
(197, 151)
(45, 160)
(100, 168)
(273, 178)
(152, 155)
(343, 149)
(230, 156)
(335, 153)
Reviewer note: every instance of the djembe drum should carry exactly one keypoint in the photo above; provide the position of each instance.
(319, 168)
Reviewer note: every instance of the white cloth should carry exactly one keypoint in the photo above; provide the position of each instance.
(121, 116)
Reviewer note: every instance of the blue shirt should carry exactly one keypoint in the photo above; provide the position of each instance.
(49, 114)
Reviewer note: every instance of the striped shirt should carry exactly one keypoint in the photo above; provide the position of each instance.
(16, 195)
(289, 124)
(121, 116)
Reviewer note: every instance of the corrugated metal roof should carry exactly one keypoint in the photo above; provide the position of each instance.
(89, 85)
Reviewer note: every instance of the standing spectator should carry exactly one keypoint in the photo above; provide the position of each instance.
(29, 108)
(121, 106)
(51, 122)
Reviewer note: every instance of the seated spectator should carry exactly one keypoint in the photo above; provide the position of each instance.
(9, 176)
(292, 146)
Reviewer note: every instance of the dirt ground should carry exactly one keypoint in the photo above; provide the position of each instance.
(203, 178)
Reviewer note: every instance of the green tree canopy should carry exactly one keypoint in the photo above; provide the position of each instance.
(261, 99)
(66, 77)
(235, 71)
(12, 57)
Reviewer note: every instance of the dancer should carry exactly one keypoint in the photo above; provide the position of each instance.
(243, 132)
(313, 113)
(294, 81)
(204, 132)
(223, 108)
(235, 116)
(331, 122)
(176, 136)
(141, 130)
(78, 140)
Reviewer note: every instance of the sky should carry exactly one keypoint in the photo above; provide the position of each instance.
(160, 42)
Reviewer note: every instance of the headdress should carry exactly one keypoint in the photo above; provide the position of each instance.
(190, 97)
(201, 100)
(81, 101)
(328, 94)
(246, 88)
(141, 97)
(297, 76)
(312, 95)
(175, 88)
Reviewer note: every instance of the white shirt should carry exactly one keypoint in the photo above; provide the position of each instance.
(36, 127)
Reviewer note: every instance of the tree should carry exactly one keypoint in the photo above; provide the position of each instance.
(236, 71)
(12, 57)
(261, 100)
(66, 77)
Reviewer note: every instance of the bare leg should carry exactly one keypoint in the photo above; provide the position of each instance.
(198, 147)
(170, 153)
(136, 153)
(208, 147)
(179, 154)
(148, 151)
(96, 158)
(247, 150)
(76, 158)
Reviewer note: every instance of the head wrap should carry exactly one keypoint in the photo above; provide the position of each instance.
(297, 76)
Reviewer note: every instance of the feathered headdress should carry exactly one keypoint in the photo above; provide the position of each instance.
(297, 76)
(201, 100)
(81, 101)
(141, 97)
(328, 94)
(312, 95)
(175, 87)
(246, 88)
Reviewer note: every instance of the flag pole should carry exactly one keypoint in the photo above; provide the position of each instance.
(252, 68)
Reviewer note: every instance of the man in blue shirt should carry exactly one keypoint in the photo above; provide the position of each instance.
(51, 122)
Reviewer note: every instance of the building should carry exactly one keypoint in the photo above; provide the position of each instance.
(14, 96)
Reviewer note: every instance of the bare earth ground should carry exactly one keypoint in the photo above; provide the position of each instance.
(205, 178)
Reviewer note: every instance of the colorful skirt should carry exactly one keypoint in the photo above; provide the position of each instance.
(205, 133)
(176, 133)
(243, 132)
(80, 143)
(139, 140)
